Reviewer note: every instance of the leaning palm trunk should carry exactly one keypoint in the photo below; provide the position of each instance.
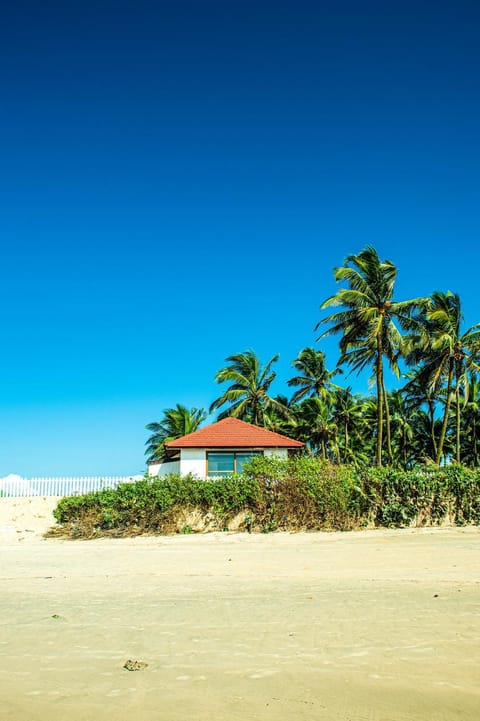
(443, 432)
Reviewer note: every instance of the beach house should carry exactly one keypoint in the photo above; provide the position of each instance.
(221, 449)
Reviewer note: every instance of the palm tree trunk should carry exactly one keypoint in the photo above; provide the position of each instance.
(336, 449)
(431, 414)
(346, 442)
(379, 370)
(443, 432)
(388, 428)
(475, 452)
(324, 453)
(255, 413)
(457, 420)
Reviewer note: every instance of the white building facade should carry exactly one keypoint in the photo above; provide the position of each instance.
(196, 461)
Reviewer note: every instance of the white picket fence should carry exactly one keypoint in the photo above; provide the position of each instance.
(17, 487)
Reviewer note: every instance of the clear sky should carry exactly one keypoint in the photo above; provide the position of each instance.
(178, 179)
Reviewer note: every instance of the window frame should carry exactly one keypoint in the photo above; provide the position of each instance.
(230, 451)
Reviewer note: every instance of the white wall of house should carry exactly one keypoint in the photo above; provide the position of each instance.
(194, 461)
(281, 453)
(163, 469)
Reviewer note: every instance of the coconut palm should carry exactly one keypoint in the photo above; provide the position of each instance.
(280, 421)
(403, 420)
(366, 440)
(471, 423)
(314, 378)
(247, 397)
(446, 356)
(424, 447)
(316, 427)
(421, 400)
(369, 320)
(176, 422)
(347, 415)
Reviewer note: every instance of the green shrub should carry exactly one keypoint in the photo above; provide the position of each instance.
(149, 505)
(301, 493)
(423, 496)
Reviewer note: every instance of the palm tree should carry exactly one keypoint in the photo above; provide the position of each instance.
(247, 395)
(419, 394)
(316, 427)
(426, 430)
(366, 444)
(368, 320)
(176, 422)
(403, 419)
(471, 423)
(446, 355)
(280, 418)
(314, 378)
(347, 415)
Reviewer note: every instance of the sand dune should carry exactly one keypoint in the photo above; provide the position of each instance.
(377, 625)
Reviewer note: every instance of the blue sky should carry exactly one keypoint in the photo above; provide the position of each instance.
(179, 179)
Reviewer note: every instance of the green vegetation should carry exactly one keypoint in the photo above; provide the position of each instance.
(431, 418)
(303, 493)
(369, 321)
(392, 458)
(247, 394)
(177, 422)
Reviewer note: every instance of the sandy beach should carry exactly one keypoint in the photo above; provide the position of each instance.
(377, 625)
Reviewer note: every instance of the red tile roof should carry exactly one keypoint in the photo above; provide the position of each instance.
(233, 433)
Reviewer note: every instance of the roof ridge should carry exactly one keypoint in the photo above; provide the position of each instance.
(246, 434)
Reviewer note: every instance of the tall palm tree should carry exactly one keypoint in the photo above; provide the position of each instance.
(446, 355)
(369, 320)
(314, 378)
(176, 422)
(247, 396)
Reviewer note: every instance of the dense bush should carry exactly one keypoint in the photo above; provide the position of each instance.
(302, 493)
(150, 505)
(421, 497)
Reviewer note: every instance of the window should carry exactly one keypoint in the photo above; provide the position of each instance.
(241, 458)
(220, 464)
(226, 463)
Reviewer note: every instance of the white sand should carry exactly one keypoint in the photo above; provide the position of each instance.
(377, 625)
(25, 519)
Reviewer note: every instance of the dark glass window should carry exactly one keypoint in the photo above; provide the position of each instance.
(241, 458)
(224, 464)
(221, 464)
